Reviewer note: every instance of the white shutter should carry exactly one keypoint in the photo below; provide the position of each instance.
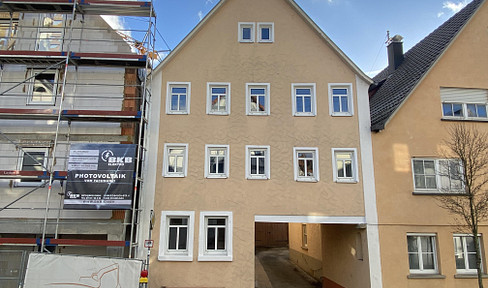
(464, 95)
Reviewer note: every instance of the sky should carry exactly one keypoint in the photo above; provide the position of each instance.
(358, 27)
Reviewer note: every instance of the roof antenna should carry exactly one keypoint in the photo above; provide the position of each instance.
(388, 39)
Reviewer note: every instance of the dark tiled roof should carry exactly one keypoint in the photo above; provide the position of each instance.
(418, 60)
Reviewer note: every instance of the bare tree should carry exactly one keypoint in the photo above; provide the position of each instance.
(468, 147)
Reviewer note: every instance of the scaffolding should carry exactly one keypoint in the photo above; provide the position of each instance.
(66, 77)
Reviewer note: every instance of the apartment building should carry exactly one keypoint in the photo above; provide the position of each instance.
(439, 82)
(263, 121)
(67, 79)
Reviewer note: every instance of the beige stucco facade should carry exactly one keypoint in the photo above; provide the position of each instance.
(417, 130)
(212, 53)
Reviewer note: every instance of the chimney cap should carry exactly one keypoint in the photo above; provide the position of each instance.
(397, 38)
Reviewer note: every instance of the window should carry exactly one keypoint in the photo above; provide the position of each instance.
(175, 160)
(218, 99)
(215, 241)
(422, 253)
(266, 32)
(257, 163)
(438, 175)
(465, 253)
(464, 103)
(176, 239)
(257, 99)
(304, 237)
(50, 34)
(340, 99)
(303, 99)
(306, 164)
(42, 86)
(246, 32)
(217, 161)
(178, 98)
(32, 159)
(344, 165)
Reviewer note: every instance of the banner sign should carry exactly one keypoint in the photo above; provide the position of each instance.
(63, 271)
(100, 176)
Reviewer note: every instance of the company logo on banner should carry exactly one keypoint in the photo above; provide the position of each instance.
(100, 176)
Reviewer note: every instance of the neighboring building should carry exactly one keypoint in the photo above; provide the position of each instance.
(264, 120)
(66, 77)
(441, 81)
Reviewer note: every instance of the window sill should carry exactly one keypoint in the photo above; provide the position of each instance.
(40, 104)
(182, 258)
(217, 176)
(177, 113)
(347, 181)
(426, 276)
(469, 276)
(216, 258)
(341, 115)
(464, 119)
(218, 114)
(174, 176)
(436, 193)
(307, 180)
(257, 178)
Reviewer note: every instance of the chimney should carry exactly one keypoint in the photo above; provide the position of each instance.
(395, 52)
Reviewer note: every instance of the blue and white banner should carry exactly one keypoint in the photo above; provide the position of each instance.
(100, 176)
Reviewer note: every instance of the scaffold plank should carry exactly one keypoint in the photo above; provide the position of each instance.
(122, 8)
(73, 115)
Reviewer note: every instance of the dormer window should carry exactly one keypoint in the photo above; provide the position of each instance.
(246, 32)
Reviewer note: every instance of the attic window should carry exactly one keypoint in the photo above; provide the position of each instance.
(246, 32)
(266, 32)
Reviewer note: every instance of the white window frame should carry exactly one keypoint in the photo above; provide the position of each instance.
(438, 176)
(50, 31)
(350, 97)
(225, 173)
(20, 162)
(315, 152)
(164, 253)
(167, 147)
(211, 85)
(265, 86)
(419, 253)
(465, 116)
(170, 85)
(267, 172)
(355, 168)
(313, 101)
(270, 26)
(224, 255)
(242, 25)
(31, 83)
(464, 252)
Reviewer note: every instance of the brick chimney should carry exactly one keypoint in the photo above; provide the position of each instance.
(395, 52)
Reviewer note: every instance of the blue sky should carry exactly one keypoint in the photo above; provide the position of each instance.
(358, 27)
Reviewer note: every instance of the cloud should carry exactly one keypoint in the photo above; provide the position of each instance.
(440, 14)
(454, 7)
(116, 22)
(200, 15)
(209, 2)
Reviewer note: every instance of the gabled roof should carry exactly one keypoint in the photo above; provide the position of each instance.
(399, 84)
(300, 12)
